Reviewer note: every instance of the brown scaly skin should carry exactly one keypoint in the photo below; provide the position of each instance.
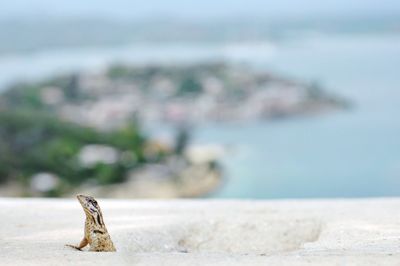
(96, 234)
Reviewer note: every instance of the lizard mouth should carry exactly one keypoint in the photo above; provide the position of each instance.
(81, 198)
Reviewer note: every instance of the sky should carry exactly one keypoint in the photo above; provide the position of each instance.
(190, 9)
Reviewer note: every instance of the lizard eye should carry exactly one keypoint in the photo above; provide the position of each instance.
(93, 202)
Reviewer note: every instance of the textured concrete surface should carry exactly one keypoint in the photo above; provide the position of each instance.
(205, 232)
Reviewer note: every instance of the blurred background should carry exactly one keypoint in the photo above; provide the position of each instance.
(221, 99)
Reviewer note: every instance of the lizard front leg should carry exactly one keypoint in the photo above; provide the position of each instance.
(83, 244)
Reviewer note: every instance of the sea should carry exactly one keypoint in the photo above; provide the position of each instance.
(345, 153)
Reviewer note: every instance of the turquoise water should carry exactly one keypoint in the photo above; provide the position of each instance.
(353, 153)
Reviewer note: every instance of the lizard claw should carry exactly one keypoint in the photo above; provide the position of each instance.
(72, 246)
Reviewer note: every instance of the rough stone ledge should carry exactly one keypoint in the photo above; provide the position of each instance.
(206, 232)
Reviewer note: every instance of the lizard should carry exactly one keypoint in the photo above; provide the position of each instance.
(96, 234)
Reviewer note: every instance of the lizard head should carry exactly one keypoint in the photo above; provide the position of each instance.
(89, 205)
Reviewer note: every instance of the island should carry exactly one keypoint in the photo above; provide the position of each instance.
(83, 131)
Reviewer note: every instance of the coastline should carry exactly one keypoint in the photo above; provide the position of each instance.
(206, 232)
(93, 125)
